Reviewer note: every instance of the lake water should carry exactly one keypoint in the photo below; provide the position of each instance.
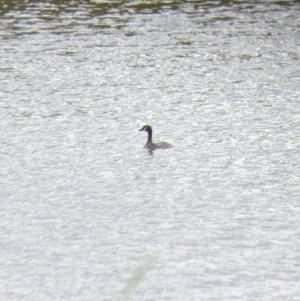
(87, 213)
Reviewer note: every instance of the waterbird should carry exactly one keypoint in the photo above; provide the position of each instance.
(151, 145)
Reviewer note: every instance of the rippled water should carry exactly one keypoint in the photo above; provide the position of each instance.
(87, 213)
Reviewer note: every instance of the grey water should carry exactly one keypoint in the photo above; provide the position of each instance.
(87, 213)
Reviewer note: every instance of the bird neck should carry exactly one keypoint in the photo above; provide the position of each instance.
(149, 136)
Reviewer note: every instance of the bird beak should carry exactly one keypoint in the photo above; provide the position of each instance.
(141, 129)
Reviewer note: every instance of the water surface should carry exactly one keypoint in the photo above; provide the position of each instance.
(87, 213)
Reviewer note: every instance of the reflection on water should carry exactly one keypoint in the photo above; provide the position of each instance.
(84, 203)
(17, 15)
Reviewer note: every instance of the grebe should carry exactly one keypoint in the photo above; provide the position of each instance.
(149, 144)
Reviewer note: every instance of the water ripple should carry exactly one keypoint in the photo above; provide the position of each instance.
(84, 203)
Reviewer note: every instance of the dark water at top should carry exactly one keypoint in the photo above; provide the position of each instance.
(87, 213)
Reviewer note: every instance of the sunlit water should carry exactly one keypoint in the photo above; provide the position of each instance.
(87, 213)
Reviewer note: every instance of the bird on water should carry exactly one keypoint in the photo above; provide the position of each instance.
(151, 145)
